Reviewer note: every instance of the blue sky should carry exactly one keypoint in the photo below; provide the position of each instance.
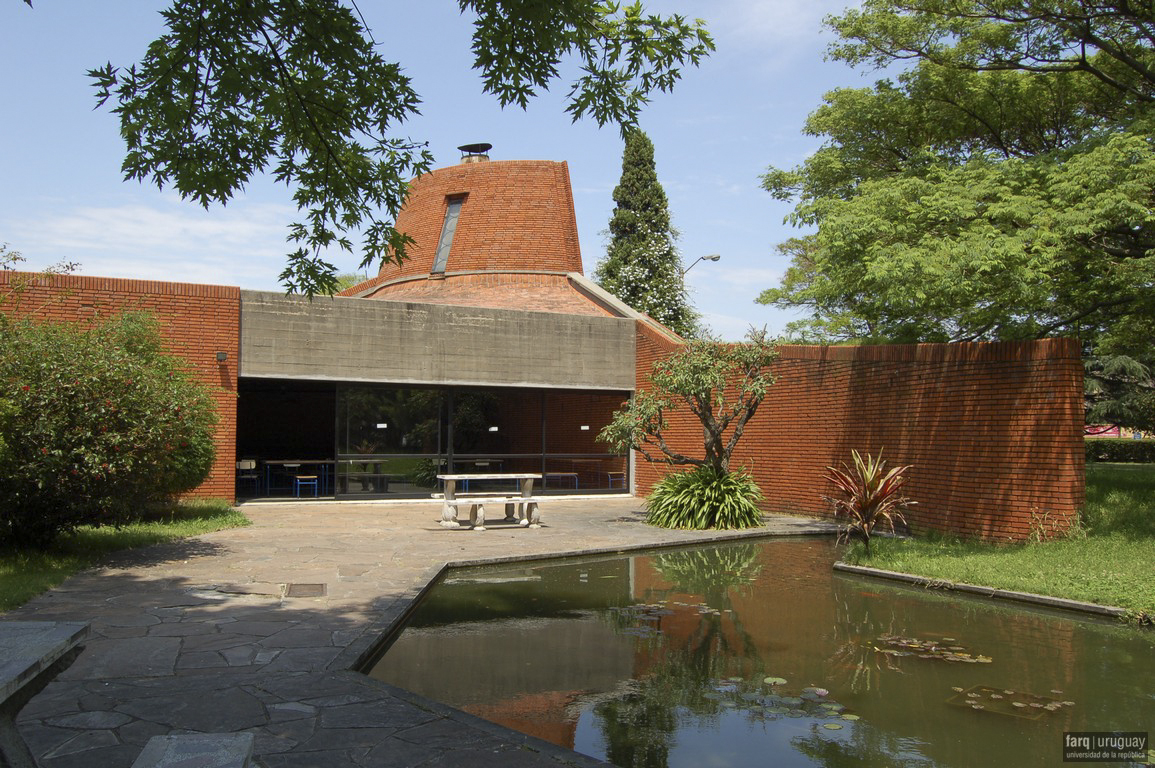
(62, 197)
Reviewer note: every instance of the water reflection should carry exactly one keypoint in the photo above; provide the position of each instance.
(756, 653)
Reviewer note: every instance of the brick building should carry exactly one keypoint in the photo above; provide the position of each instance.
(488, 348)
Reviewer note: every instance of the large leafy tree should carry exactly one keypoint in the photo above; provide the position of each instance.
(298, 89)
(642, 266)
(1000, 187)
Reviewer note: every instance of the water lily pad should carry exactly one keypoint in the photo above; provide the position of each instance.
(1017, 704)
(946, 649)
(850, 717)
(832, 726)
(796, 713)
(775, 681)
(778, 710)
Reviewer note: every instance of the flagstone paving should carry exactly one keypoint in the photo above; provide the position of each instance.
(257, 629)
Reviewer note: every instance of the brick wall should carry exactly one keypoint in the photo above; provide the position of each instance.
(196, 321)
(993, 430)
(517, 215)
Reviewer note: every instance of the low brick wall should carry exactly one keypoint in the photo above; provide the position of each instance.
(196, 321)
(993, 430)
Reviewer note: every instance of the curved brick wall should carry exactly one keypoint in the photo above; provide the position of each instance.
(993, 430)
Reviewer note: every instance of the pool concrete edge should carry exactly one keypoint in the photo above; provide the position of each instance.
(1030, 598)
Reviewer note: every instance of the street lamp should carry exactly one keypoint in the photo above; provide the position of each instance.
(711, 257)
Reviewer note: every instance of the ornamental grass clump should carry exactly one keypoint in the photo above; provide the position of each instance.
(870, 496)
(705, 498)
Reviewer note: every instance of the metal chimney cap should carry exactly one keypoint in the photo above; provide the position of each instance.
(475, 149)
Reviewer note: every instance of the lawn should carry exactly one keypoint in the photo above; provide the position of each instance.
(1110, 560)
(25, 574)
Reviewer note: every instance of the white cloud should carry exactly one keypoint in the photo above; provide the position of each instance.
(775, 24)
(242, 244)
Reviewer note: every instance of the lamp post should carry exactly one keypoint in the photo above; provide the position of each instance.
(711, 257)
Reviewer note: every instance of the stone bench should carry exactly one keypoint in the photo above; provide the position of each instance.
(197, 750)
(528, 515)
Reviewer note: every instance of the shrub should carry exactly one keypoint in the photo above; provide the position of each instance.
(870, 496)
(1120, 449)
(95, 425)
(705, 498)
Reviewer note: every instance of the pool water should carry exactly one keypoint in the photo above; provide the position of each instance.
(757, 653)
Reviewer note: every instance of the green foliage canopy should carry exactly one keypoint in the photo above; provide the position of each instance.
(300, 90)
(95, 425)
(642, 266)
(999, 188)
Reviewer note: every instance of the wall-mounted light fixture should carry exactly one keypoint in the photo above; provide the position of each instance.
(493, 429)
(585, 427)
(382, 425)
(222, 357)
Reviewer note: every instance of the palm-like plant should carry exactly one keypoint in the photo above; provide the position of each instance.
(870, 496)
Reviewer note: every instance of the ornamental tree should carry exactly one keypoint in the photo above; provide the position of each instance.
(301, 91)
(720, 383)
(642, 266)
(95, 426)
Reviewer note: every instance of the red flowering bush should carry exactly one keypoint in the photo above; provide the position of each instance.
(95, 426)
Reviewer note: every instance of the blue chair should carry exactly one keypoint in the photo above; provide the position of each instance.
(304, 481)
(301, 481)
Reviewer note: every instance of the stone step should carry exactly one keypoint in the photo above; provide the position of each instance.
(197, 750)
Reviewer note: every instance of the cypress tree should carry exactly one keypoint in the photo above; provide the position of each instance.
(642, 266)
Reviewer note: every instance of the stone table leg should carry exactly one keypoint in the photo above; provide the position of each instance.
(449, 509)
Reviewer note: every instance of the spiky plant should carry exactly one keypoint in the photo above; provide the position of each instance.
(705, 498)
(870, 496)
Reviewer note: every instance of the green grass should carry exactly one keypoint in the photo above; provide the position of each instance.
(25, 574)
(1110, 560)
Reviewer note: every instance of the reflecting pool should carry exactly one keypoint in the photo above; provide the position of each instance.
(757, 653)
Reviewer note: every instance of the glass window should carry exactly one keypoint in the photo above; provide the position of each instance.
(452, 211)
(376, 421)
